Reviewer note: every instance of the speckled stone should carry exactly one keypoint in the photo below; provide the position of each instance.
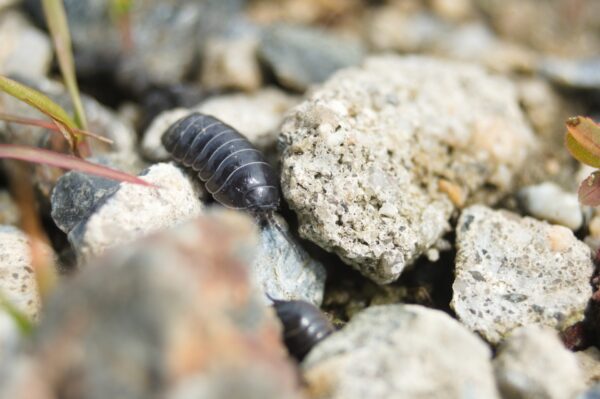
(374, 173)
(513, 271)
(400, 351)
(533, 363)
(134, 211)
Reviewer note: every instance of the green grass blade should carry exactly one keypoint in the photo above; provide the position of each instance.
(37, 100)
(39, 155)
(56, 19)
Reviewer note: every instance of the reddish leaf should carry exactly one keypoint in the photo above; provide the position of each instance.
(583, 140)
(589, 190)
(38, 155)
(49, 125)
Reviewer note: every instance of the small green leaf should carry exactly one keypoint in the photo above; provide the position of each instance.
(581, 153)
(59, 30)
(39, 155)
(589, 190)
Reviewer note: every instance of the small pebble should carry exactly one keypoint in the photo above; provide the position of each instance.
(547, 201)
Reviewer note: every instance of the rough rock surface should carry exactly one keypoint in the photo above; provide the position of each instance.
(170, 316)
(134, 211)
(301, 56)
(25, 49)
(374, 171)
(400, 351)
(533, 363)
(589, 363)
(284, 269)
(257, 116)
(549, 202)
(513, 271)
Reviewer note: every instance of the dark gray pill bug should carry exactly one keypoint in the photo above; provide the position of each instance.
(234, 172)
(304, 325)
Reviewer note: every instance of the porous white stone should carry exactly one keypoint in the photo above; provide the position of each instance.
(533, 363)
(513, 271)
(400, 351)
(134, 210)
(549, 202)
(375, 161)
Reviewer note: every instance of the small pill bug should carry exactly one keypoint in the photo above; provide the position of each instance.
(234, 172)
(304, 325)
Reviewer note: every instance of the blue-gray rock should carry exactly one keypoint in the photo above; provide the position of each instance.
(301, 56)
(284, 269)
(592, 393)
(75, 196)
(573, 73)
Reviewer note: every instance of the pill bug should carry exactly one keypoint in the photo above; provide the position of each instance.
(234, 172)
(304, 325)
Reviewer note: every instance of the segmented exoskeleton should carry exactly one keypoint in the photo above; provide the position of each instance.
(235, 173)
(304, 325)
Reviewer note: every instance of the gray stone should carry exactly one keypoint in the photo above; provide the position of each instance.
(374, 173)
(284, 269)
(134, 211)
(25, 49)
(549, 202)
(166, 36)
(170, 316)
(533, 363)
(75, 195)
(577, 74)
(302, 56)
(400, 351)
(513, 271)
(256, 115)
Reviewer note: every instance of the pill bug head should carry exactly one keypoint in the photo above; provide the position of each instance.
(304, 325)
(262, 199)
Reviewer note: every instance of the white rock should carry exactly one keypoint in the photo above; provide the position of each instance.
(533, 363)
(17, 278)
(25, 50)
(257, 116)
(374, 171)
(589, 363)
(550, 202)
(18, 286)
(152, 147)
(134, 211)
(400, 351)
(513, 271)
(231, 63)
